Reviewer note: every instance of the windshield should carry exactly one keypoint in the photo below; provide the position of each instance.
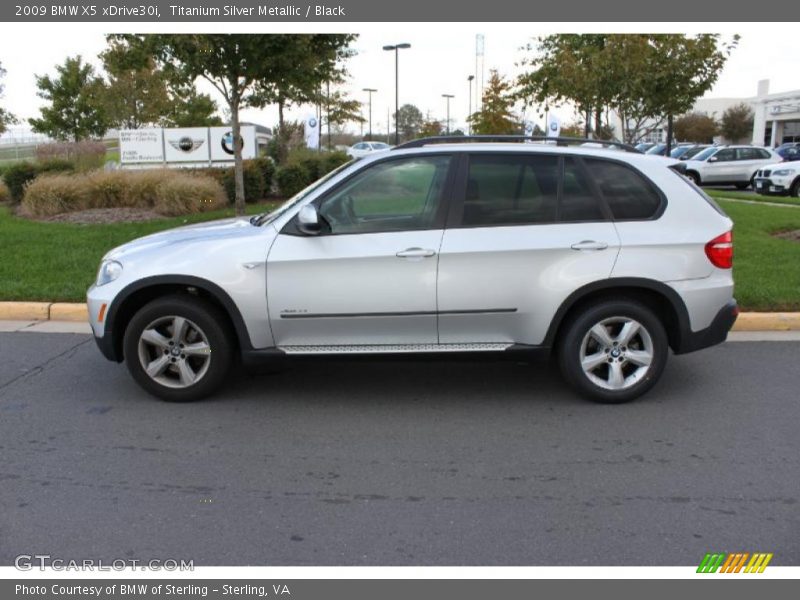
(679, 151)
(705, 154)
(271, 216)
(657, 149)
(692, 152)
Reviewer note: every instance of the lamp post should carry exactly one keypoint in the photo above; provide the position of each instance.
(447, 99)
(396, 48)
(369, 91)
(469, 112)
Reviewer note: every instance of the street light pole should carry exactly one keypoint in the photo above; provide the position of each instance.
(369, 91)
(469, 113)
(447, 98)
(396, 48)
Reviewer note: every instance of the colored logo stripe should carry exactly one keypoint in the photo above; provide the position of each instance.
(734, 562)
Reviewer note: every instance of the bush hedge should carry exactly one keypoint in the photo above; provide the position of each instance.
(5, 195)
(303, 167)
(167, 192)
(20, 174)
(259, 174)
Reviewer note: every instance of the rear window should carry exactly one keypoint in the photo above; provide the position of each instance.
(578, 201)
(629, 195)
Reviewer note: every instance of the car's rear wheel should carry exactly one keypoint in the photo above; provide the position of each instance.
(614, 351)
(743, 186)
(177, 349)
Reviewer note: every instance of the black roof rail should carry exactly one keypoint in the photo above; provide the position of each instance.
(560, 141)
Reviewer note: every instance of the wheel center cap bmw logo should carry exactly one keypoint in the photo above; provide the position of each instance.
(175, 351)
(615, 353)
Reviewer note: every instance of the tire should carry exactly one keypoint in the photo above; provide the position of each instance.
(695, 177)
(794, 191)
(178, 375)
(603, 383)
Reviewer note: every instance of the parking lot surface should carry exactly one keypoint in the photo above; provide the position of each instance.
(437, 463)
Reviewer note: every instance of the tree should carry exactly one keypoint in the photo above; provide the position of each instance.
(245, 69)
(409, 121)
(6, 118)
(495, 116)
(339, 109)
(737, 123)
(695, 127)
(644, 78)
(139, 93)
(431, 128)
(76, 110)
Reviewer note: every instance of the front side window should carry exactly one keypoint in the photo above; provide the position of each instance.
(397, 195)
(627, 193)
(511, 190)
(725, 155)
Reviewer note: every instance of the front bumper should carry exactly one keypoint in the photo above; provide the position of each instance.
(715, 333)
(769, 187)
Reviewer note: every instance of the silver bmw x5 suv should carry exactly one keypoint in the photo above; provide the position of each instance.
(596, 254)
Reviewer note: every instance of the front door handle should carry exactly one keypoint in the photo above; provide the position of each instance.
(415, 253)
(589, 245)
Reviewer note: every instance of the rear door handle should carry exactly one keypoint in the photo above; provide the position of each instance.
(415, 253)
(589, 245)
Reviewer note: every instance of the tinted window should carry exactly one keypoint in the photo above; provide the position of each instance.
(510, 190)
(705, 153)
(749, 154)
(578, 201)
(763, 153)
(725, 154)
(627, 193)
(397, 195)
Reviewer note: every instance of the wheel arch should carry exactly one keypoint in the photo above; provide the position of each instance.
(131, 298)
(657, 296)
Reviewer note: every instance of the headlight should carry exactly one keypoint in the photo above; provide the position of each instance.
(108, 272)
(782, 172)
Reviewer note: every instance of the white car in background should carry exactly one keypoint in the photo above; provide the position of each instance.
(729, 165)
(362, 149)
(781, 179)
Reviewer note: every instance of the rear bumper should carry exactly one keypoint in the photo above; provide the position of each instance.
(715, 333)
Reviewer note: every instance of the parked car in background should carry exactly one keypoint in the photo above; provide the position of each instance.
(729, 165)
(362, 149)
(644, 146)
(780, 179)
(686, 153)
(661, 149)
(789, 151)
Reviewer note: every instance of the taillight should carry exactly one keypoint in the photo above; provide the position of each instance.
(720, 250)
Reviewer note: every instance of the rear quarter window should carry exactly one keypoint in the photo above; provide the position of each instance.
(628, 194)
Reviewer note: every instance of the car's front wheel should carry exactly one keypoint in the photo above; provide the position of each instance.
(177, 349)
(614, 351)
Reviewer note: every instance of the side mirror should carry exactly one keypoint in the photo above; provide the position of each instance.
(308, 220)
(713, 159)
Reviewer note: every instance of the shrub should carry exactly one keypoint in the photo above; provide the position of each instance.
(16, 177)
(253, 182)
(267, 168)
(291, 178)
(164, 191)
(84, 155)
(334, 160)
(5, 195)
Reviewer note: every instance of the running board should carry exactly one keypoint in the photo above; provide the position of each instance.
(397, 348)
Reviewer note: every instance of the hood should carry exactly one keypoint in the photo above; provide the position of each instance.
(200, 232)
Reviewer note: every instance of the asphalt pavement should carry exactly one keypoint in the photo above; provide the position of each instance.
(438, 463)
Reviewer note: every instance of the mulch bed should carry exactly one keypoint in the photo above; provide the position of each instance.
(103, 216)
(794, 235)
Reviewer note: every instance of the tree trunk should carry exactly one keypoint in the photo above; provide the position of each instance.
(238, 164)
(587, 126)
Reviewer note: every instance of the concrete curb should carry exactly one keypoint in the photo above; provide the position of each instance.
(75, 312)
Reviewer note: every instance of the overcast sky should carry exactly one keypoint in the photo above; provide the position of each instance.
(439, 60)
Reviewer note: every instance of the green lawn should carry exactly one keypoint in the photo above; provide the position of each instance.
(57, 261)
(721, 194)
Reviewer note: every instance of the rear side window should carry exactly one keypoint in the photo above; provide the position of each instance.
(629, 195)
(578, 201)
(511, 190)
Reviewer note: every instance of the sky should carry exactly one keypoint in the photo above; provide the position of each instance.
(439, 61)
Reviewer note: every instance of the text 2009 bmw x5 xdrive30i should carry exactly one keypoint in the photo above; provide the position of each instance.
(607, 258)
